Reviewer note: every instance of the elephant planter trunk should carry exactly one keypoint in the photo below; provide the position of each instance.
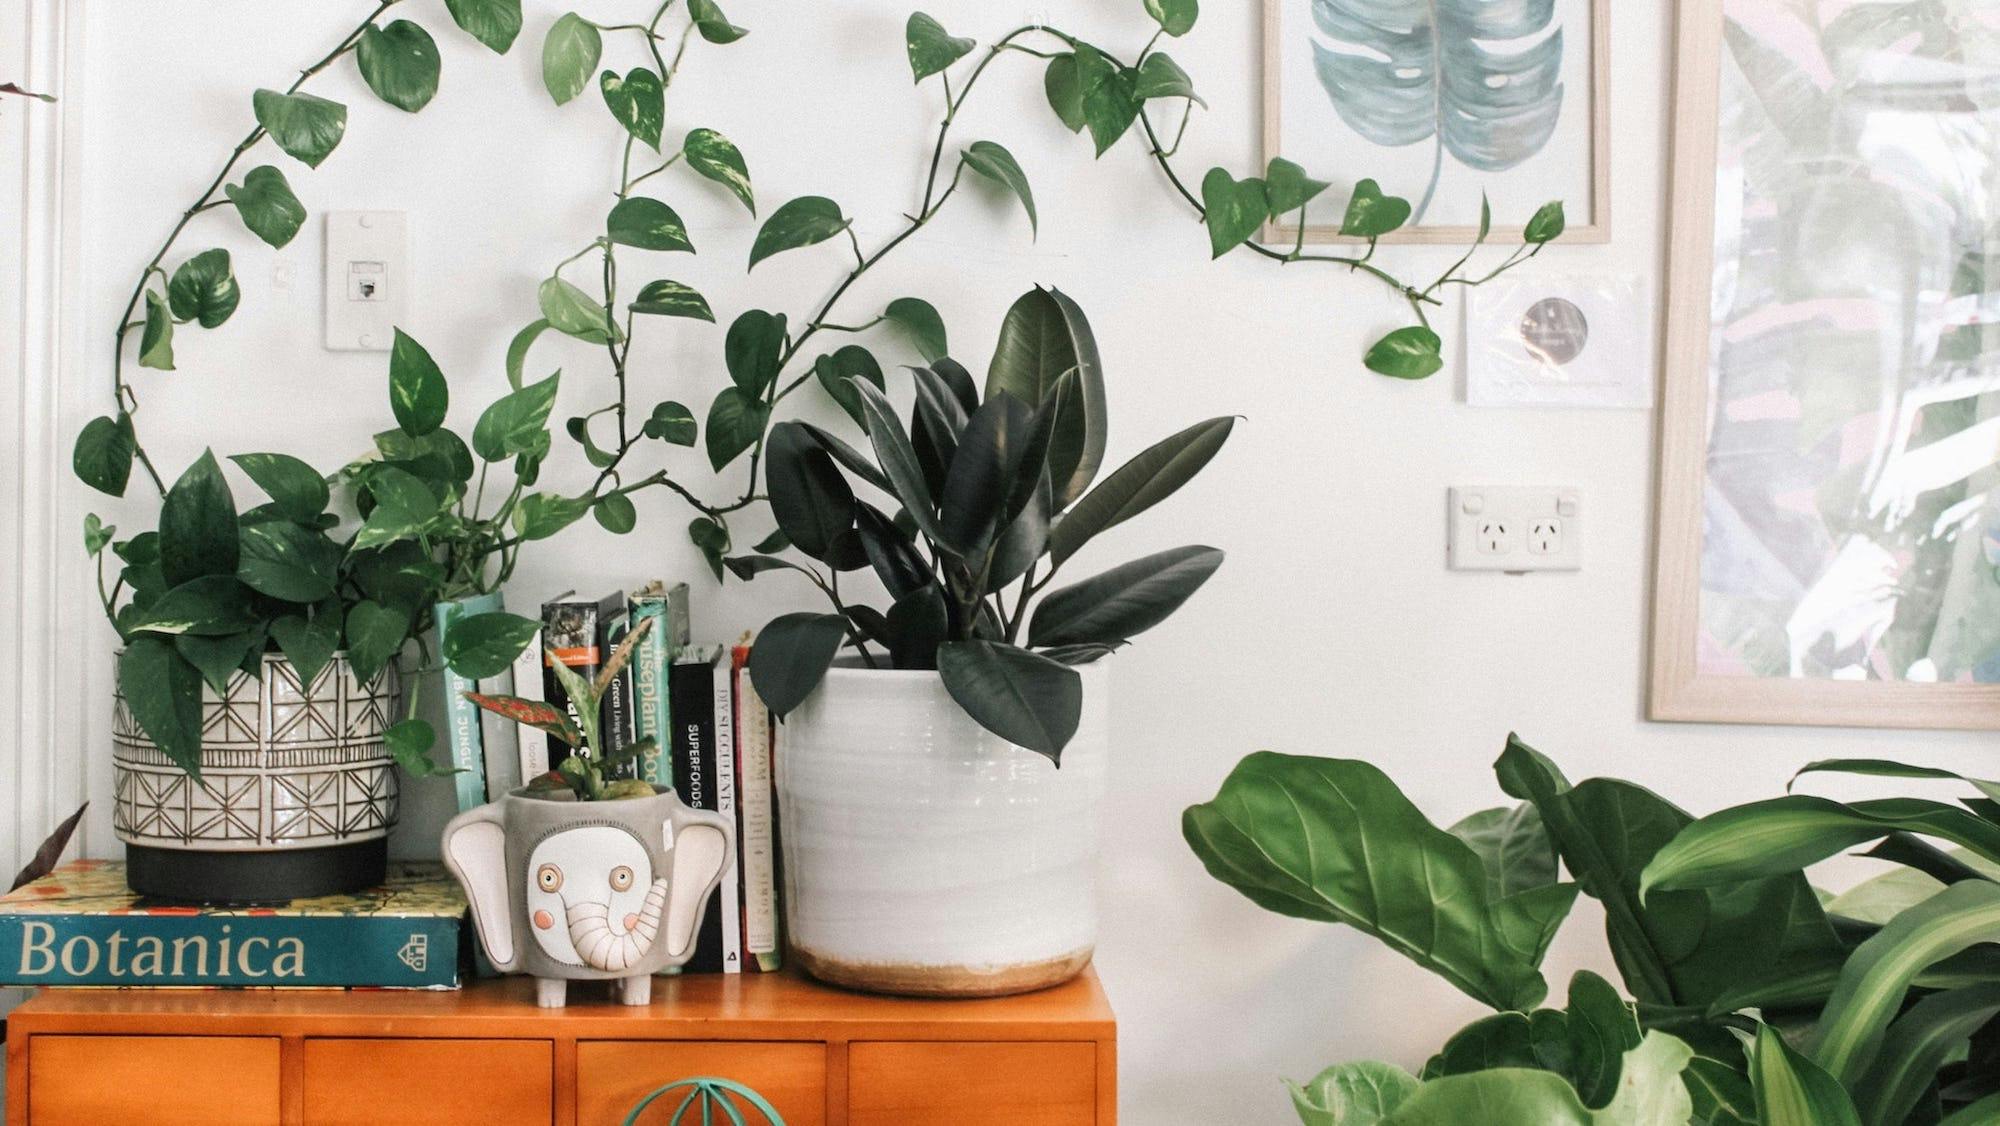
(588, 891)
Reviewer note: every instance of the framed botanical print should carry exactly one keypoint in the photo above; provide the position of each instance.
(1444, 102)
(1829, 526)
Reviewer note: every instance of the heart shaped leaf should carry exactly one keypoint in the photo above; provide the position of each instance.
(265, 203)
(1233, 209)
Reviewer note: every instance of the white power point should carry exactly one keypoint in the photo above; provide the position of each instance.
(1514, 528)
(367, 279)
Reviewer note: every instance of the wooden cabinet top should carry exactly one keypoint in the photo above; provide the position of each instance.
(784, 1006)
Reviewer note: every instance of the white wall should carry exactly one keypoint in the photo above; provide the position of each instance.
(1333, 628)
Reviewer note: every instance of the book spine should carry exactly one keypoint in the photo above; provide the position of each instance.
(229, 950)
(652, 713)
(615, 719)
(532, 750)
(730, 890)
(756, 830)
(694, 738)
(570, 635)
(464, 735)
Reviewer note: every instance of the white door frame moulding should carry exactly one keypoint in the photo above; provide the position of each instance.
(47, 619)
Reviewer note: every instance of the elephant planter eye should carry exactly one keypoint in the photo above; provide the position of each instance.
(621, 878)
(550, 877)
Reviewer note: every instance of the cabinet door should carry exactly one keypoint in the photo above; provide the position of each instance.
(158, 1080)
(972, 1084)
(613, 1075)
(441, 1082)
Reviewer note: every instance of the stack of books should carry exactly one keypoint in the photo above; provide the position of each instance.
(712, 742)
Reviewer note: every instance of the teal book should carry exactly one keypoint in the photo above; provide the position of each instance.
(651, 666)
(80, 925)
(464, 735)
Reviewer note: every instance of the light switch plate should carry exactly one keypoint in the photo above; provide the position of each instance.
(1514, 528)
(367, 279)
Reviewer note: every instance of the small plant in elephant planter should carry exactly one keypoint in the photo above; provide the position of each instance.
(582, 875)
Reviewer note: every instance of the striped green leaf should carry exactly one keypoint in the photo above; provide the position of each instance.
(1794, 1091)
(1917, 1045)
(1885, 768)
(1769, 838)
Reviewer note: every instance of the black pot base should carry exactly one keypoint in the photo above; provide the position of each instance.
(238, 879)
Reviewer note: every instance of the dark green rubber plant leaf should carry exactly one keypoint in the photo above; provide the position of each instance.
(1139, 484)
(1401, 72)
(1335, 840)
(1044, 337)
(1123, 602)
(1024, 698)
(792, 655)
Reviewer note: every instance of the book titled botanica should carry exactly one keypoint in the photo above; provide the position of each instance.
(81, 925)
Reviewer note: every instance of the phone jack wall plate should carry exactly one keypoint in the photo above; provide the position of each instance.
(1514, 528)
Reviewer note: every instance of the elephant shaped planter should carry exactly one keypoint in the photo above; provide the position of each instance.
(588, 891)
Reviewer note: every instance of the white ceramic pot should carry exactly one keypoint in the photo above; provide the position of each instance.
(927, 856)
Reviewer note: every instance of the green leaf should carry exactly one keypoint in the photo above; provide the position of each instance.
(735, 422)
(573, 312)
(204, 290)
(798, 223)
(898, 460)
(1232, 208)
(198, 524)
(440, 455)
(485, 645)
(1335, 840)
(492, 22)
(96, 533)
(517, 351)
(404, 507)
(1107, 97)
(304, 127)
(1546, 226)
(615, 513)
(1786, 834)
(835, 369)
(1650, 1093)
(400, 63)
(163, 693)
(671, 299)
(1175, 17)
(579, 430)
(1601, 1028)
(569, 56)
(1138, 485)
(711, 538)
(1063, 87)
(308, 644)
(648, 224)
(1123, 602)
(515, 421)
(541, 515)
(1513, 846)
(209, 606)
(811, 501)
(672, 423)
(296, 487)
(1792, 1090)
(417, 391)
(751, 351)
(287, 561)
(638, 101)
(850, 458)
(219, 659)
(714, 156)
(156, 339)
(1407, 353)
(713, 25)
(375, 634)
(265, 203)
(409, 742)
(1370, 214)
(1917, 1044)
(1352, 1094)
(1024, 698)
(1159, 76)
(998, 165)
(1884, 768)
(103, 455)
(931, 48)
(919, 320)
(791, 657)
(1981, 1113)
(1044, 337)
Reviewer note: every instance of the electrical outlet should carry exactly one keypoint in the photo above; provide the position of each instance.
(1514, 528)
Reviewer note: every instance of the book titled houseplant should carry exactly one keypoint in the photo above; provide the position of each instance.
(940, 786)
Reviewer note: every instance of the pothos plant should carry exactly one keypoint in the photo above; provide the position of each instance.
(993, 494)
(1755, 997)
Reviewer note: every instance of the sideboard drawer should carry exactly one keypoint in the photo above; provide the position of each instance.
(613, 1075)
(445, 1082)
(93, 1080)
(972, 1084)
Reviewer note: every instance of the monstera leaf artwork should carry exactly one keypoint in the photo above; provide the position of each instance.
(1402, 72)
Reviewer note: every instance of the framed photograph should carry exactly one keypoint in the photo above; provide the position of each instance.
(1829, 526)
(1439, 101)
(1559, 341)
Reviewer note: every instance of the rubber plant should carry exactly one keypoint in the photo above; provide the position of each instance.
(1880, 1007)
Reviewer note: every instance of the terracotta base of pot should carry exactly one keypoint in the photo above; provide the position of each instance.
(943, 981)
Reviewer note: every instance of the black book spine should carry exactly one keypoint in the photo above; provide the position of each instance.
(616, 717)
(691, 688)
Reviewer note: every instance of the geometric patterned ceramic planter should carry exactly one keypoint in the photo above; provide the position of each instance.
(291, 775)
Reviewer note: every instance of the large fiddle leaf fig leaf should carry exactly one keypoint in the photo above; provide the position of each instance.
(1401, 72)
(1513, 846)
(1335, 840)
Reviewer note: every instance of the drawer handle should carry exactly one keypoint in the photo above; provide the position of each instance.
(706, 1095)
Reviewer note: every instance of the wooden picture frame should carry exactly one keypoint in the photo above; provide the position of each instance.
(1596, 230)
(1680, 690)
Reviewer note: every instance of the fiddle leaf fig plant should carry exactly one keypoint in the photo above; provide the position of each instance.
(993, 489)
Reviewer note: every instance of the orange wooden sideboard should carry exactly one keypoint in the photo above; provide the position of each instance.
(486, 1056)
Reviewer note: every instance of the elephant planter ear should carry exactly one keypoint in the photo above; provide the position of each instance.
(475, 848)
(700, 848)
